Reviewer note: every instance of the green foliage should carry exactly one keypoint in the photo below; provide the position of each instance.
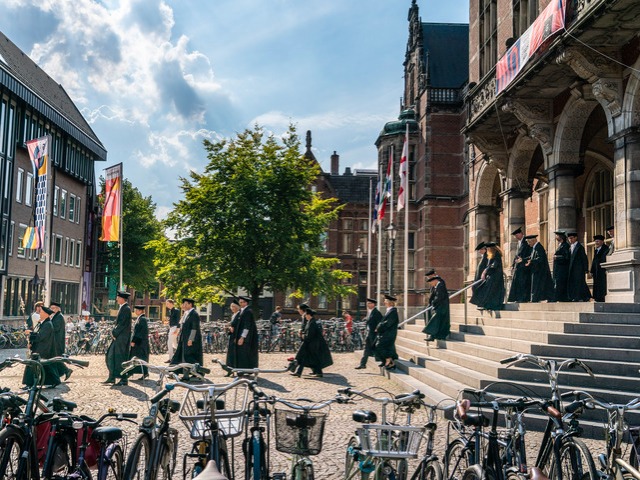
(250, 220)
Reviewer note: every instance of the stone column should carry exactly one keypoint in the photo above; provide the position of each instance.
(562, 207)
(514, 217)
(482, 217)
(623, 267)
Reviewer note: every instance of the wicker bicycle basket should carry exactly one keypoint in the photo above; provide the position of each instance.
(390, 441)
(227, 407)
(299, 433)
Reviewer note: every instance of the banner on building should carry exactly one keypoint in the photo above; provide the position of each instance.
(34, 236)
(551, 20)
(112, 210)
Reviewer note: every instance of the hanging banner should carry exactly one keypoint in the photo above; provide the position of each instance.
(39, 154)
(112, 209)
(548, 22)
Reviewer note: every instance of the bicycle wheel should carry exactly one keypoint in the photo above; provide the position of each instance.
(62, 459)
(11, 444)
(114, 464)
(429, 470)
(351, 461)
(476, 472)
(138, 459)
(576, 462)
(169, 454)
(456, 460)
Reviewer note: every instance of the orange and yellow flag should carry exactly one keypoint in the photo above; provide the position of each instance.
(112, 210)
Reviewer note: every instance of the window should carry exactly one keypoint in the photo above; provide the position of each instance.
(3, 112)
(12, 229)
(412, 241)
(57, 250)
(63, 204)
(19, 185)
(78, 211)
(28, 190)
(22, 228)
(72, 252)
(72, 208)
(543, 209)
(322, 301)
(346, 242)
(364, 225)
(362, 243)
(488, 23)
(524, 13)
(154, 292)
(56, 194)
(154, 313)
(599, 207)
(66, 252)
(347, 224)
(78, 253)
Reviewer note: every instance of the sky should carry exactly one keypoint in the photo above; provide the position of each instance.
(155, 77)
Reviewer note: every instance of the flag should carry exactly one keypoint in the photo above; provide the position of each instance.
(375, 206)
(402, 192)
(551, 20)
(387, 188)
(112, 210)
(39, 154)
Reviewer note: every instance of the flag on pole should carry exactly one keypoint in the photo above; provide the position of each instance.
(402, 191)
(387, 188)
(39, 155)
(112, 210)
(375, 205)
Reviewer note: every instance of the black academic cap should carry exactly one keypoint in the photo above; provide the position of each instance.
(303, 306)
(372, 300)
(246, 299)
(310, 311)
(516, 231)
(572, 234)
(139, 307)
(55, 304)
(123, 294)
(47, 310)
(610, 228)
(490, 244)
(598, 237)
(561, 232)
(235, 301)
(530, 237)
(436, 278)
(391, 298)
(189, 300)
(480, 246)
(430, 272)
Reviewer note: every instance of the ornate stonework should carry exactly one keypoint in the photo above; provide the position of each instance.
(483, 98)
(493, 146)
(537, 117)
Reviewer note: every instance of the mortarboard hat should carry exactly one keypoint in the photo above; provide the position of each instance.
(310, 311)
(189, 300)
(303, 306)
(561, 232)
(372, 300)
(598, 237)
(572, 234)
(47, 310)
(516, 231)
(123, 294)
(430, 272)
(55, 304)
(530, 237)
(234, 300)
(480, 246)
(246, 299)
(490, 244)
(391, 298)
(610, 228)
(139, 307)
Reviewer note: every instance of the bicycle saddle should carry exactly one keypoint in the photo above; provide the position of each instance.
(59, 404)
(107, 434)
(364, 416)
(211, 472)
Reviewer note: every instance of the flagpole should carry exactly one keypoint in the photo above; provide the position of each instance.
(390, 279)
(369, 241)
(47, 229)
(406, 229)
(379, 224)
(121, 224)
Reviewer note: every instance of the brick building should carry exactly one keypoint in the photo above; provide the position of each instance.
(557, 148)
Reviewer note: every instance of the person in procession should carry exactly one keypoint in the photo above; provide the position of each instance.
(245, 337)
(314, 352)
(520, 290)
(561, 267)
(541, 281)
(233, 325)
(139, 344)
(59, 331)
(42, 341)
(577, 289)
(490, 294)
(190, 339)
(439, 323)
(598, 273)
(374, 317)
(612, 244)
(174, 327)
(482, 264)
(386, 333)
(118, 351)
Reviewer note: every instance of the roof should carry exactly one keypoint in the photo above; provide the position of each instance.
(351, 188)
(25, 79)
(446, 49)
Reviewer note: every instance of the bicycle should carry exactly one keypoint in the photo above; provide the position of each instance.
(430, 467)
(154, 452)
(381, 451)
(19, 458)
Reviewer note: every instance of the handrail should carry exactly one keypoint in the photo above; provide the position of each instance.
(454, 294)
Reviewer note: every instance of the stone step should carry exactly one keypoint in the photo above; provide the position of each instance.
(617, 308)
(624, 330)
(551, 316)
(515, 323)
(586, 353)
(608, 318)
(503, 332)
(542, 307)
(507, 344)
(603, 341)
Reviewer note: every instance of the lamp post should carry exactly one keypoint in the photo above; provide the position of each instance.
(358, 258)
(391, 230)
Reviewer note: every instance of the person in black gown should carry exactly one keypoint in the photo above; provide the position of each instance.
(520, 290)
(490, 294)
(598, 273)
(577, 289)
(439, 322)
(561, 267)
(538, 264)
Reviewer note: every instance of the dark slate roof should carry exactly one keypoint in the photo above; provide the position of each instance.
(351, 188)
(446, 49)
(28, 81)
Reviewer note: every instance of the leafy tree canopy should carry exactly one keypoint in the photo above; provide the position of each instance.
(250, 220)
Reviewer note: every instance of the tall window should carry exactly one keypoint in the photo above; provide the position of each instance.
(543, 215)
(57, 257)
(63, 204)
(599, 206)
(72, 208)
(22, 228)
(28, 190)
(347, 242)
(524, 13)
(488, 24)
(19, 185)
(56, 194)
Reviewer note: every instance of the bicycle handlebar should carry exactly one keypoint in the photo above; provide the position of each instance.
(251, 371)
(195, 369)
(306, 408)
(401, 399)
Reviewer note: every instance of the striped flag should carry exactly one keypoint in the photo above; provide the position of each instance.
(402, 191)
(39, 155)
(387, 188)
(112, 211)
(375, 206)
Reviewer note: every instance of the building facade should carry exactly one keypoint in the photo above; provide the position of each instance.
(559, 147)
(33, 105)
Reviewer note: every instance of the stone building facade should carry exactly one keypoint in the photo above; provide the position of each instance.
(559, 147)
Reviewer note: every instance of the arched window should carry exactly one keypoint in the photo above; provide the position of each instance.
(599, 203)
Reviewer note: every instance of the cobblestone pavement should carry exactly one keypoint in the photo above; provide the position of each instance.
(93, 398)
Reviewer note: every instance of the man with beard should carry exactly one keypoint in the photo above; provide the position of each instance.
(118, 351)
(520, 290)
(598, 273)
(577, 289)
(561, 267)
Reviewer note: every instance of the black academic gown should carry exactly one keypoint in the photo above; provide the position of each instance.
(439, 318)
(599, 274)
(387, 332)
(577, 289)
(314, 352)
(118, 351)
(490, 294)
(59, 332)
(481, 267)
(185, 353)
(520, 290)
(541, 281)
(231, 348)
(246, 355)
(42, 341)
(140, 339)
(374, 318)
(561, 271)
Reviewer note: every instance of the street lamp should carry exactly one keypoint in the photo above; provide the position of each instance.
(358, 258)
(391, 230)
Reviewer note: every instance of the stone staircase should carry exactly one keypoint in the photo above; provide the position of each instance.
(605, 336)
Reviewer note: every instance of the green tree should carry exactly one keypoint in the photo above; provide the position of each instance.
(139, 227)
(250, 220)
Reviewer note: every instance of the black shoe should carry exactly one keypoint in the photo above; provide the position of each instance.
(184, 379)
(122, 383)
(430, 338)
(67, 374)
(295, 374)
(109, 380)
(167, 361)
(391, 366)
(381, 364)
(361, 367)
(315, 375)
(229, 374)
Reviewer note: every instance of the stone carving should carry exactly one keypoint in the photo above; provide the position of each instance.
(493, 146)
(483, 98)
(537, 117)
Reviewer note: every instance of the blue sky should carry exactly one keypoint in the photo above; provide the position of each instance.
(154, 78)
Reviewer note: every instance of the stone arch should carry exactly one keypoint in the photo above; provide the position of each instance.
(484, 186)
(520, 162)
(631, 102)
(568, 136)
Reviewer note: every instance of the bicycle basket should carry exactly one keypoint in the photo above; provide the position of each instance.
(299, 433)
(228, 410)
(390, 441)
